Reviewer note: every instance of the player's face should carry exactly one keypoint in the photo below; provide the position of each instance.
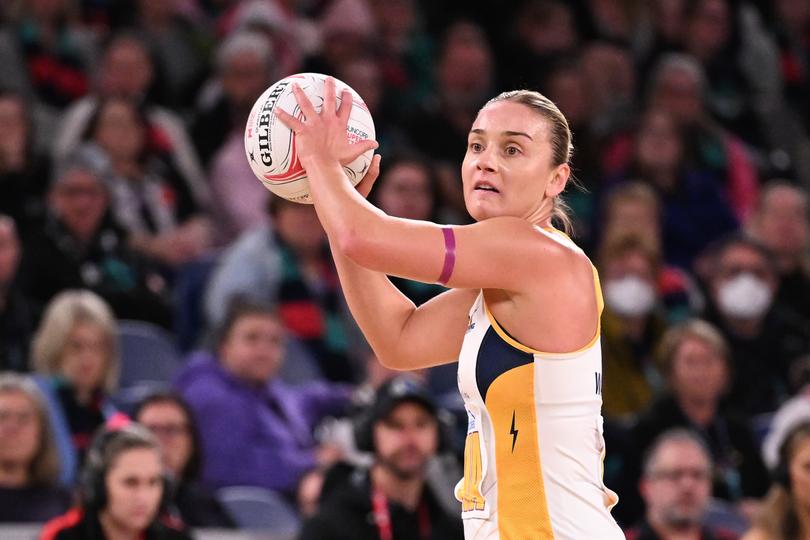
(134, 488)
(406, 439)
(508, 169)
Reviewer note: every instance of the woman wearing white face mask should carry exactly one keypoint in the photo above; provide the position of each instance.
(632, 324)
(763, 339)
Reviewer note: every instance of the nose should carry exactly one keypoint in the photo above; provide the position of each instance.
(485, 160)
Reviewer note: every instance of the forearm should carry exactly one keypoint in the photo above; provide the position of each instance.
(379, 308)
(343, 212)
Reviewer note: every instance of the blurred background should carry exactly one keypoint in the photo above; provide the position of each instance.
(145, 271)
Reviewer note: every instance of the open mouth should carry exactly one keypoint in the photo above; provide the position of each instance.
(483, 186)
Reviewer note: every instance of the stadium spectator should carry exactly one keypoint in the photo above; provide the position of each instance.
(245, 68)
(633, 209)
(172, 423)
(29, 460)
(16, 309)
(126, 71)
(763, 341)
(696, 363)
(148, 199)
(23, 167)
(541, 32)
(694, 211)
(288, 264)
(785, 513)
(75, 350)
(180, 49)
(782, 223)
(123, 492)
(464, 78)
(47, 56)
(676, 486)
(392, 498)
(677, 85)
(79, 247)
(633, 323)
(269, 424)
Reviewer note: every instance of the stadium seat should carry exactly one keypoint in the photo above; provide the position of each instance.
(259, 508)
(148, 354)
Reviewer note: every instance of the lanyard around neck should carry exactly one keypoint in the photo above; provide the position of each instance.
(382, 517)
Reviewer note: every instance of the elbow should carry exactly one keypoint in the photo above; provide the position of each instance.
(353, 245)
(394, 362)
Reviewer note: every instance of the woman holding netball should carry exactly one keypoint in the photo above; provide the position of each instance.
(521, 318)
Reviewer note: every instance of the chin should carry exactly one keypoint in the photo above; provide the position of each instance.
(480, 212)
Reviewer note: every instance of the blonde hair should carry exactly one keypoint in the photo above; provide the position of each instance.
(44, 467)
(692, 329)
(63, 313)
(562, 147)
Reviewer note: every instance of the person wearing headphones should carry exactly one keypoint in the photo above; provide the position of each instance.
(390, 499)
(124, 492)
(785, 515)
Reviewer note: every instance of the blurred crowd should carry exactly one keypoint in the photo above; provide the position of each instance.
(126, 203)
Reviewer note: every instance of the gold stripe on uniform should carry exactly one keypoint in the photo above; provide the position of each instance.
(522, 506)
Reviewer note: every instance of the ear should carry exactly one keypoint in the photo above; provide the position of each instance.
(559, 179)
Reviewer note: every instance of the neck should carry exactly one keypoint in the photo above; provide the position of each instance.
(13, 474)
(665, 530)
(698, 410)
(114, 531)
(406, 492)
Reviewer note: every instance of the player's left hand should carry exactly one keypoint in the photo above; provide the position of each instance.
(322, 136)
(365, 185)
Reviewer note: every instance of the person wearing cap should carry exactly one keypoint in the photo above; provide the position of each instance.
(390, 500)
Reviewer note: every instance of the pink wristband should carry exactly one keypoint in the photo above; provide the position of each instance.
(449, 255)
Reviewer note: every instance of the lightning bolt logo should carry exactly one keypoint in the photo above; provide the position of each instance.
(513, 432)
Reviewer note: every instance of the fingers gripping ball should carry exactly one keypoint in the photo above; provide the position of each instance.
(270, 145)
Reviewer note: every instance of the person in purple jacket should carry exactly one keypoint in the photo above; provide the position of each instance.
(256, 430)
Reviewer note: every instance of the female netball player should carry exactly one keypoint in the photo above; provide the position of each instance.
(521, 318)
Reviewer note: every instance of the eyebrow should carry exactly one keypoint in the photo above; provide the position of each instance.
(478, 131)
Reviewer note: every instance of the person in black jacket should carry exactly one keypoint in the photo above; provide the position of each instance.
(16, 309)
(169, 418)
(697, 365)
(80, 247)
(124, 491)
(390, 500)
